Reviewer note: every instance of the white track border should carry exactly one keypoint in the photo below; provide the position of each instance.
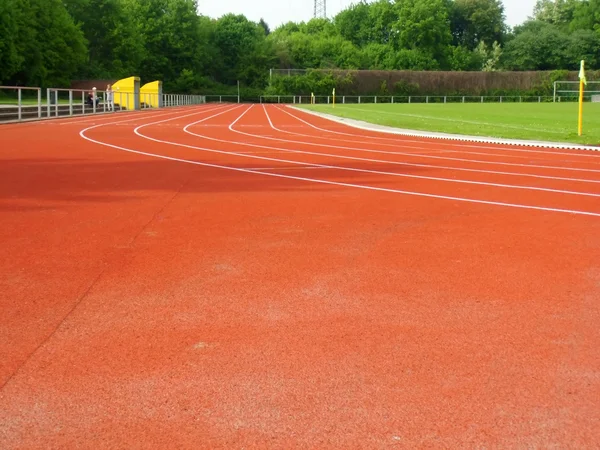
(444, 136)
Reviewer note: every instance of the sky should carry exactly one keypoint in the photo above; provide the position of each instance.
(276, 12)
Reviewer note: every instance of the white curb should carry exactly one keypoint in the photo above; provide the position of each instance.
(452, 137)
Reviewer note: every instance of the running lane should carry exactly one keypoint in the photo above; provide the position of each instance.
(239, 309)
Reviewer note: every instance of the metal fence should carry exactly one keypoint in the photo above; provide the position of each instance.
(366, 99)
(29, 103)
(18, 103)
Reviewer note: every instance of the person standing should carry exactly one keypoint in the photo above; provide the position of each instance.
(109, 97)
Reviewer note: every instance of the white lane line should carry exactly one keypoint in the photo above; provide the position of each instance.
(399, 143)
(133, 115)
(475, 161)
(455, 137)
(344, 168)
(196, 112)
(287, 168)
(461, 149)
(448, 119)
(382, 161)
(110, 116)
(331, 183)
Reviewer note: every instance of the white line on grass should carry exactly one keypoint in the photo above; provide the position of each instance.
(335, 119)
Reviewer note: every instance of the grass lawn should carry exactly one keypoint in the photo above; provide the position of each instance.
(33, 101)
(556, 122)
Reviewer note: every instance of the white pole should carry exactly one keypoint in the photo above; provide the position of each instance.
(238, 90)
(19, 103)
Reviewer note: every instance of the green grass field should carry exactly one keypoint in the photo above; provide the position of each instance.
(34, 102)
(556, 122)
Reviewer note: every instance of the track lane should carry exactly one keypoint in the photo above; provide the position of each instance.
(260, 311)
(555, 204)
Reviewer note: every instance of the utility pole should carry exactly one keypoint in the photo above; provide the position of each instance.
(320, 9)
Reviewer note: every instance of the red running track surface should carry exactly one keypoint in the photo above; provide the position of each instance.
(236, 276)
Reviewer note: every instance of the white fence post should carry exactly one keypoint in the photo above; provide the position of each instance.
(19, 113)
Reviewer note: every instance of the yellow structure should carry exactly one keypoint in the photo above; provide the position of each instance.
(151, 94)
(126, 93)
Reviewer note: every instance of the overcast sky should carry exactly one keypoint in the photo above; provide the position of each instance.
(276, 12)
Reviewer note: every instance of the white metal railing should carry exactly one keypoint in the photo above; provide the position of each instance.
(363, 99)
(170, 100)
(21, 102)
(7, 101)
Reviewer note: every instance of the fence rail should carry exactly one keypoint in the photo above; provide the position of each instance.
(18, 103)
(366, 99)
(22, 103)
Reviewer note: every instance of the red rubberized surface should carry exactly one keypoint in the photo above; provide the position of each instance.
(236, 276)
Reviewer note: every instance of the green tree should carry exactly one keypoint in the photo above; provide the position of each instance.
(474, 21)
(461, 58)
(586, 16)
(115, 45)
(52, 46)
(536, 46)
(265, 27)
(243, 51)
(423, 26)
(170, 30)
(583, 44)
(354, 24)
(10, 58)
(382, 17)
(555, 12)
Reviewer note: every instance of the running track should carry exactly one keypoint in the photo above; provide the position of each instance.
(236, 276)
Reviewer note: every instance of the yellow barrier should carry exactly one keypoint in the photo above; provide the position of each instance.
(126, 93)
(150, 94)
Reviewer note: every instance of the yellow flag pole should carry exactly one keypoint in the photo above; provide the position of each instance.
(582, 81)
(580, 125)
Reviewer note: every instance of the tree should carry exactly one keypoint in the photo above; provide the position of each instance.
(424, 27)
(244, 53)
(170, 30)
(586, 16)
(52, 46)
(583, 44)
(474, 21)
(461, 58)
(555, 12)
(265, 27)
(10, 59)
(115, 45)
(536, 46)
(382, 17)
(489, 57)
(354, 24)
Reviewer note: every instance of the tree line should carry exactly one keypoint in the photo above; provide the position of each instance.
(51, 42)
